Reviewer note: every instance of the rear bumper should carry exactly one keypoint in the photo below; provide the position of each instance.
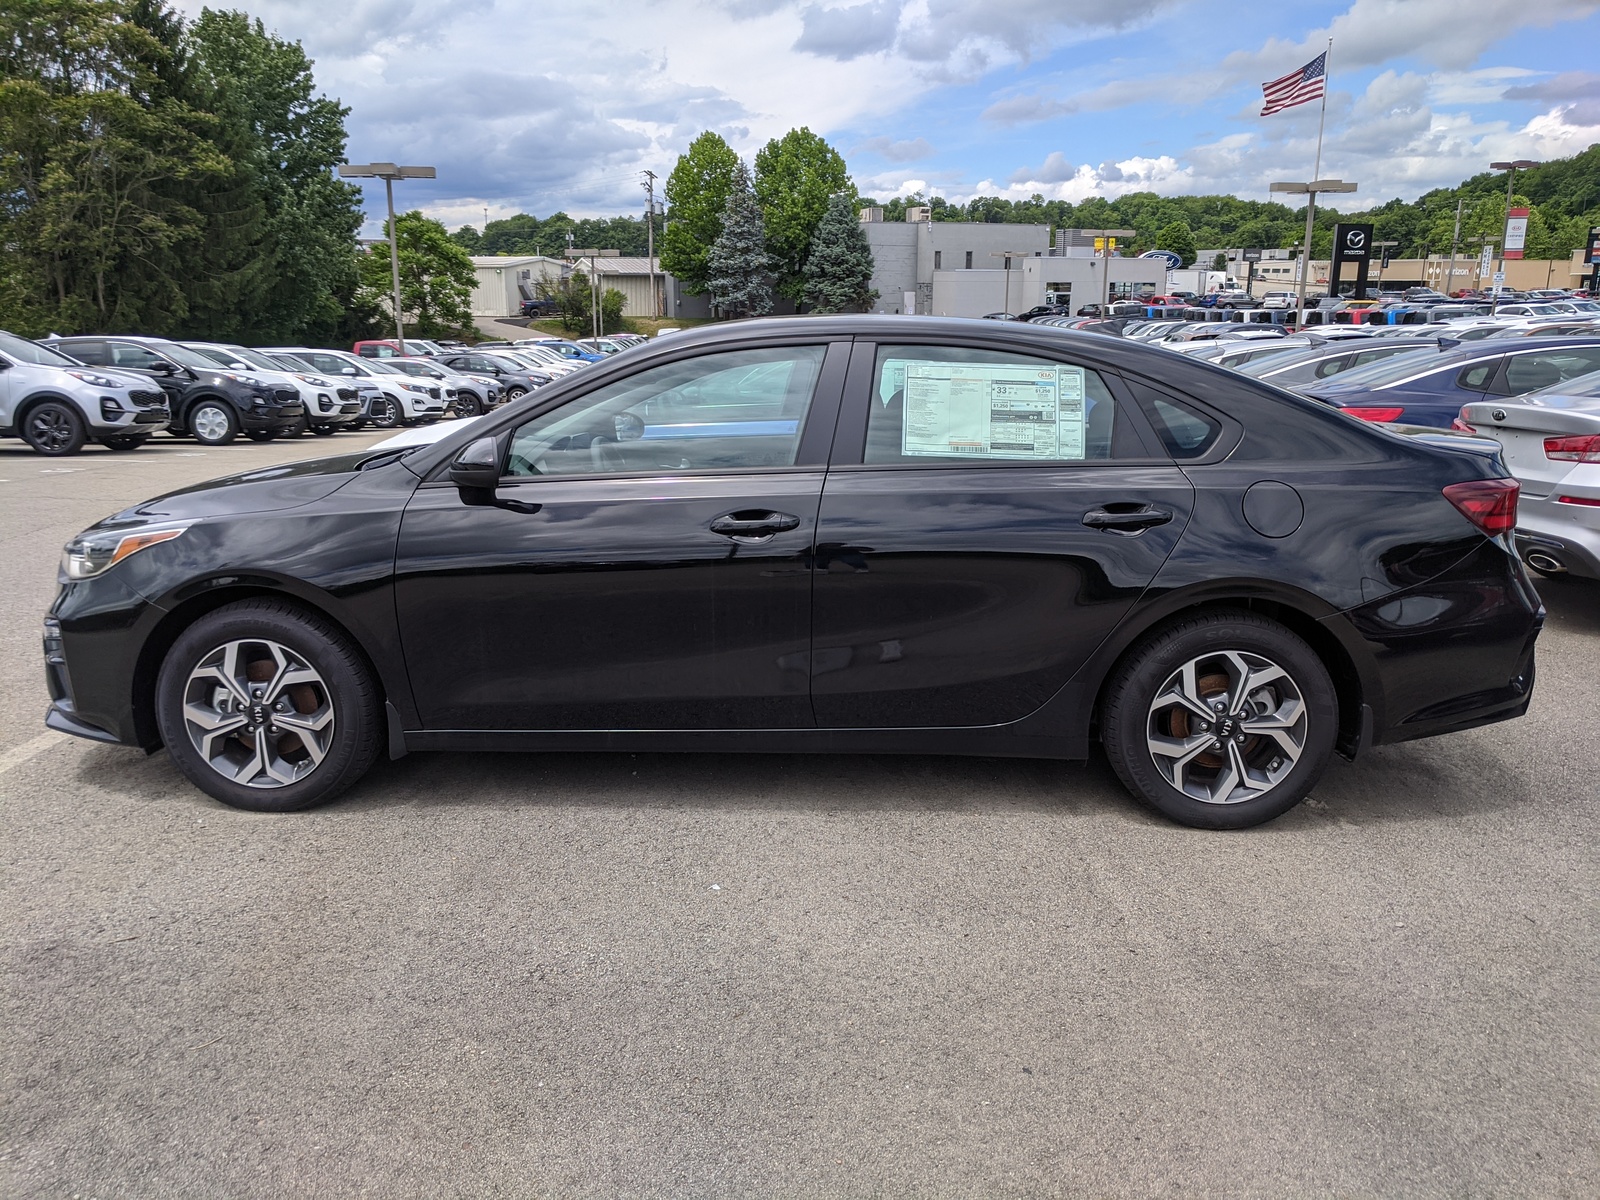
(1569, 533)
(1450, 654)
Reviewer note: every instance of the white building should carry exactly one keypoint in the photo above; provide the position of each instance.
(968, 269)
(505, 281)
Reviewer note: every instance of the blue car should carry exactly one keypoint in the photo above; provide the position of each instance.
(565, 348)
(1429, 389)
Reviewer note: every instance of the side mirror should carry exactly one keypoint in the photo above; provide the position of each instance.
(476, 474)
(347, 370)
(162, 367)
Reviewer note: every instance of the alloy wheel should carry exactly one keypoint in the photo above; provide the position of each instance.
(50, 430)
(210, 423)
(1227, 727)
(258, 713)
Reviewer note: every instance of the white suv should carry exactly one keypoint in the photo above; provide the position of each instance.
(1280, 300)
(404, 402)
(56, 403)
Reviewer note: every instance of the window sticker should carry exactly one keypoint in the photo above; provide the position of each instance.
(988, 410)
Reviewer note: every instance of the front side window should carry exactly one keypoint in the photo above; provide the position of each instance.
(128, 354)
(958, 404)
(738, 410)
(1530, 372)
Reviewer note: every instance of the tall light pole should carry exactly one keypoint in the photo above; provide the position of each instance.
(1510, 168)
(388, 172)
(1309, 190)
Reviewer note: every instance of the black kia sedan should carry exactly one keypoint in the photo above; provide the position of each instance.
(864, 534)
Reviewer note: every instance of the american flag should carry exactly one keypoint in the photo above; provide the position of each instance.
(1296, 87)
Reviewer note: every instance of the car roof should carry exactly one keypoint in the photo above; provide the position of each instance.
(1466, 352)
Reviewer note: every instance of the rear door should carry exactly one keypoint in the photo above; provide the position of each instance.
(988, 518)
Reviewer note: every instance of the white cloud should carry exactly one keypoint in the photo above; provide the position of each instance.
(909, 150)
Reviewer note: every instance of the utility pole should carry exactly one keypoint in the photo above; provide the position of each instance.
(1510, 168)
(650, 238)
(1455, 239)
(389, 172)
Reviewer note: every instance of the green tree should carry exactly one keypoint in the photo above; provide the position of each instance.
(100, 165)
(279, 278)
(795, 177)
(468, 238)
(838, 274)
(1175, 236)
(697, 192)
(436, 277)
(736, 268)
(1219, 262)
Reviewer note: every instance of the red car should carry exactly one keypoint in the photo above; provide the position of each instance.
(389, 348)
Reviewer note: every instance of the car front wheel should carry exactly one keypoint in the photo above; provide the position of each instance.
(385, 413)
(1222, 720)
(267, 707)
(213, 423)
(515, 393)
(54, 429)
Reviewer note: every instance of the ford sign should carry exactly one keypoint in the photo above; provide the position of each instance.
(1174, 261)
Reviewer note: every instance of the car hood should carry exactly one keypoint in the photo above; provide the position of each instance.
(270, 489)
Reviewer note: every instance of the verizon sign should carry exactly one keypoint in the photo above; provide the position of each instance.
(1516, 232)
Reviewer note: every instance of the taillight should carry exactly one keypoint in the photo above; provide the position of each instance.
(1584, 500)
(1490, 504)
(1376, 414)
(1584, 448)
(1460, 426)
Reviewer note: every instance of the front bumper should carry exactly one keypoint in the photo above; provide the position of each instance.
(275, 418)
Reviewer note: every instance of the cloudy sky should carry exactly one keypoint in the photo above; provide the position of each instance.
(533, 107)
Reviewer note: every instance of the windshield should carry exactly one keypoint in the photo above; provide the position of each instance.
(505, 360)
(221, 358)
(382, 366)
(280, 362)
(255, 358)
(186, 356)
(23, 350)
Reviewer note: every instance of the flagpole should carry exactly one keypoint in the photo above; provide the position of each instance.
(1311, 195)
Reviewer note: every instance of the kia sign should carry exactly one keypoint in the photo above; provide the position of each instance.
(1174, 261)
(1516, 232)
(1593, 255)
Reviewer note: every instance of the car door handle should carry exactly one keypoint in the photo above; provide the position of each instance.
(1126, 517)
(754, 523)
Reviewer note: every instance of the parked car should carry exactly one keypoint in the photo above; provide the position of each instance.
(469, 395)
(539, 308)
(734, 543)
(566, 349)
(605, 347)
(1428, 389)
(370, 400)
(1280, 300)
(329, 406)
(208, 402)
(1551, 441)
(515, 378)
(56, 404)
(1323, 362)
(397, 404)
(426, 399)
(1001, 316)
(390, 348)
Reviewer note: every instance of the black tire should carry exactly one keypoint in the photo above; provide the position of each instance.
(263, 435)
(386, 413)
(295, 430)
(351, 692)
(324, 430)
(54, 429)
(124, 441)
(198, 418)
(465, 405)
(1129, 720)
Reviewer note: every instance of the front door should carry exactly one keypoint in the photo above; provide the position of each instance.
(649, 565)
(988, 519)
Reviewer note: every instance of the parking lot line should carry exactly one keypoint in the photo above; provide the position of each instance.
(18, 755)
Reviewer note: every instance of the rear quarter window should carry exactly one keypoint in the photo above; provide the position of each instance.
(1186, 432)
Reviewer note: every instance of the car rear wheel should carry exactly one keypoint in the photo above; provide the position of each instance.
(267, 707)
(1222, 721)
(213, 423)
(54, 429)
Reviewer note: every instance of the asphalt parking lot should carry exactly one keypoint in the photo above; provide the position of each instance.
(726, 976)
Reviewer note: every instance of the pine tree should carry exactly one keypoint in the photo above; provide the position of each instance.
(839, 270)
(736, 267)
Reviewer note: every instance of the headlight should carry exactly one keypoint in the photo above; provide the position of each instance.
(94, 380)
(91, 554)
(415, 387)
(246, 379)
(314, 380)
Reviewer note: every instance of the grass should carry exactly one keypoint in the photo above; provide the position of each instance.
(646, 326)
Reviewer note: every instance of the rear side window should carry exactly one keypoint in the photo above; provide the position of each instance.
(1186, 432)
(956, 403)
(96, 354)
(1546, 368)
